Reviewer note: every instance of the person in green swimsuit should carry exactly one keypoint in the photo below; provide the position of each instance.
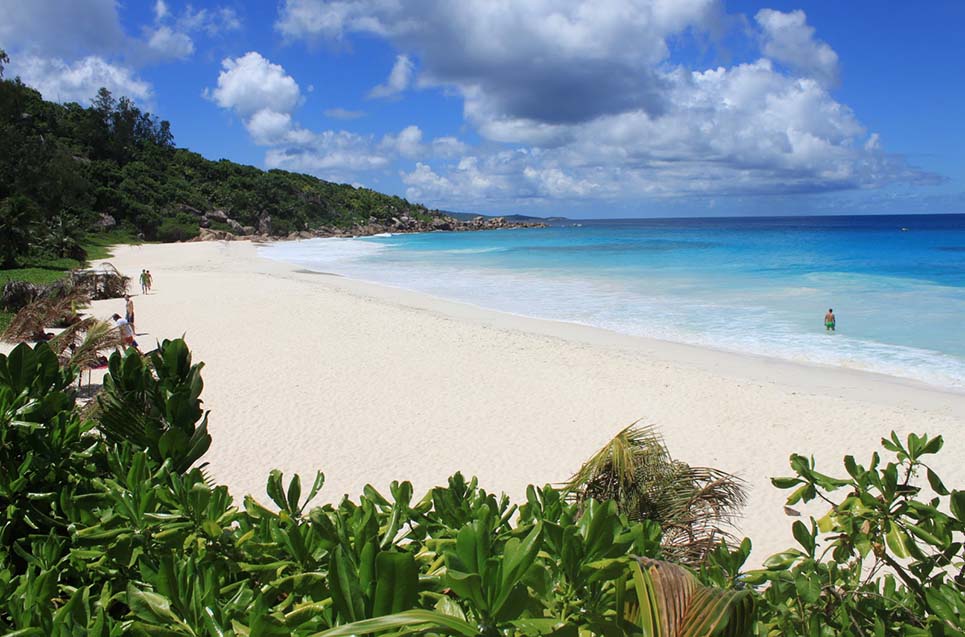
(829, 321)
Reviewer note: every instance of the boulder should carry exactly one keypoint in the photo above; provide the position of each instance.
(249, 230)
(264, 223)
(217, 215)
(207, 234)
(236, 227)
(106, 221)
(183, 207)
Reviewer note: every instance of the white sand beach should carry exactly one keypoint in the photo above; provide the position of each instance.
(307, 371)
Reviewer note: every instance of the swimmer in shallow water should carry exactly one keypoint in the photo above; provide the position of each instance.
(829, 321)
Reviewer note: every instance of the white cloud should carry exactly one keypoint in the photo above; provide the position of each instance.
(789, 40)
(251, 83)
(407, 143)
(399, 78)
(332, 155)
(578, 99)
(264, 96)
(78, 82)
(169, 44)
(343, 113)
(160, 10)
(448, 147)
(212, 21)
(61, 29)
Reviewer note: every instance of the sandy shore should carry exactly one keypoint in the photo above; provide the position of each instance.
(306, 371)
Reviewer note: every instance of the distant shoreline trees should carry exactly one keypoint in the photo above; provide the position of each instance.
(67, 171)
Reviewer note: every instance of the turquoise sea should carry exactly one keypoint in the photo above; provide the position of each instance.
(755, 285)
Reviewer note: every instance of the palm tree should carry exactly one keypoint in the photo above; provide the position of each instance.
(81, 344)
(58, 308)
(695, 506)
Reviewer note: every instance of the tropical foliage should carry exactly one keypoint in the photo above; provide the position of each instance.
(886, 559)
(110, 526)
(69, 170)
(694, 506)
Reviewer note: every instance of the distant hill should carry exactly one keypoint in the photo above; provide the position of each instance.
(67, 171)
(466, 216)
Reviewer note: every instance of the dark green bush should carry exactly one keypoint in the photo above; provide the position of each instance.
(108, 526)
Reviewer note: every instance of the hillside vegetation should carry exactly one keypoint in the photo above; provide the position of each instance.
(68, 170)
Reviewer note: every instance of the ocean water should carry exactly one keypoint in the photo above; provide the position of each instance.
(755, 285)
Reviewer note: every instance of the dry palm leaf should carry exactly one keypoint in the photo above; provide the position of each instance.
(99, 336)
(694, 506)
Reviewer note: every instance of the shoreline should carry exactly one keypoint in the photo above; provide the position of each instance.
(601, 336)
(371, 383)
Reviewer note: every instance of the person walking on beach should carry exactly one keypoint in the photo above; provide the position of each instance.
(129, 309)
(127, 332)
(144, 285)
(829, 321)
(149, 279)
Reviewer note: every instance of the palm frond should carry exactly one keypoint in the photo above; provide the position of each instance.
(70, 337)
(99, 336)
(695, 506)
(28, 323)
(671, 602)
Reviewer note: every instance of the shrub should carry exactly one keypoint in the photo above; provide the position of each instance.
(171, 230)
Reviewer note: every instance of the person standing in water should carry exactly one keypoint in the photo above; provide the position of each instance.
(829, 321)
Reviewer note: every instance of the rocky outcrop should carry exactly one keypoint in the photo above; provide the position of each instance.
(396, 224)
(106, 222)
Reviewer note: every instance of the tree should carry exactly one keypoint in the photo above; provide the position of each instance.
(18, 219)
(4, 59)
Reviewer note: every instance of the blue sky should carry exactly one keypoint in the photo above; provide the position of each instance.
(564, 107)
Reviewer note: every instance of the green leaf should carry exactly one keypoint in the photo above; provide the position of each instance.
(804, 536)
(397, 583)
(275, 490)
(957, 504)
(294, 493)
(936, 483)
(782, 561)
(151, 607)
(897, 541)
(344, 582)
(518, 557)
(426, 618)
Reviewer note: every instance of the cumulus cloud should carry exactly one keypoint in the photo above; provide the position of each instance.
(407, 143)
(399, 78)
(263, 95)
(61, 28)
(160, 10)
(165, 43)
(332, 155)
(251, 83)
(170, 37)
(343, 113)
(580, 99)
(79, 81)
(547, 61)
(788, 39)
(213, 21)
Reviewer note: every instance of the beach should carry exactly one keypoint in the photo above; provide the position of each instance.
(308, 371)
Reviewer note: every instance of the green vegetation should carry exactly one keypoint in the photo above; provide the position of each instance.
(45, 270)
(109, 526)
(69, 172)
